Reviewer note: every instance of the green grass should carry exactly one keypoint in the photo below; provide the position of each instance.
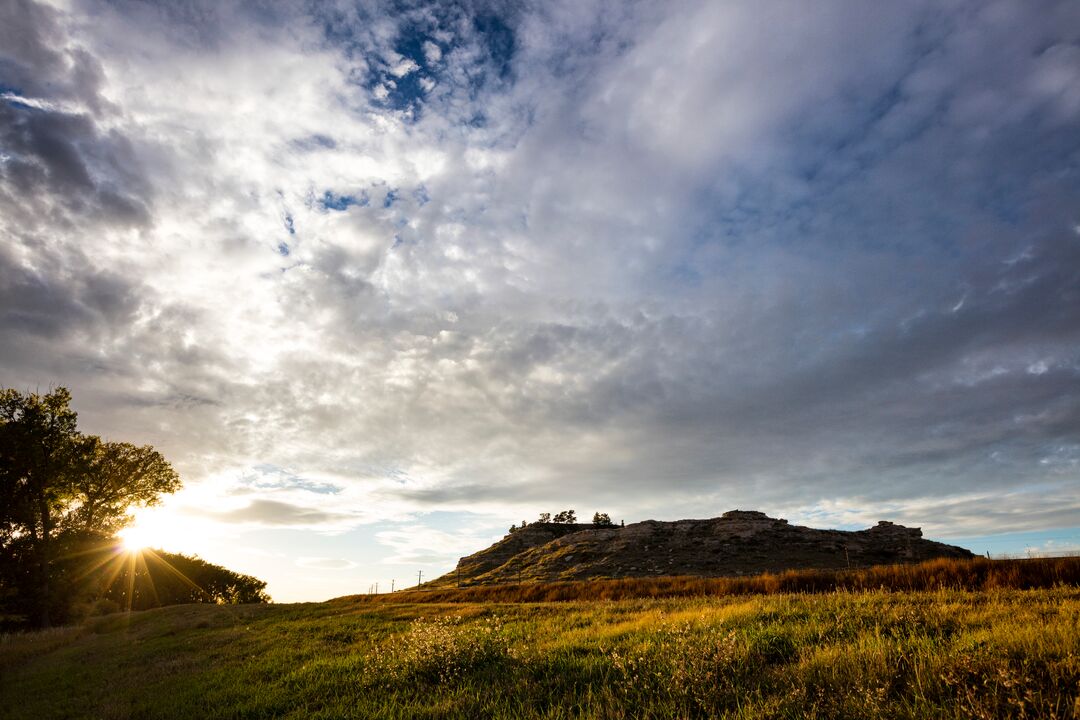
(947, 654)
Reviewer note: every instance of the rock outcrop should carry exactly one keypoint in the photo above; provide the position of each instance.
(740, 542)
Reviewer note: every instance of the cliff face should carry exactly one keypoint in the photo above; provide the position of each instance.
(739, 542)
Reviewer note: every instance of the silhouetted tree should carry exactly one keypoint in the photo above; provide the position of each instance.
(544, 517)
(566, 517)
(56, 487)
(602, 519)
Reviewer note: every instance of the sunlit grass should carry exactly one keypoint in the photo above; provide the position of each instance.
(939, 574)
(947, 653)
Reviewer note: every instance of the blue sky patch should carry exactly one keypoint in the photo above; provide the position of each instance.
(499, 41)
(332, 201)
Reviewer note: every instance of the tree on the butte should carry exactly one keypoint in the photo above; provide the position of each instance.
(566, 517)
(58, 488)
(602, 519)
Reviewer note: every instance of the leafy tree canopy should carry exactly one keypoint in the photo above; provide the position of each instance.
(155, 578)
(57, 485)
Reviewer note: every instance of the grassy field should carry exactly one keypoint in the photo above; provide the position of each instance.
(939, 574)
(947, 653)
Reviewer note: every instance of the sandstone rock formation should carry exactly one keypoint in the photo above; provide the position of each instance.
(739, 542)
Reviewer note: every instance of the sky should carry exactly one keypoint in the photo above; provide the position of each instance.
(382, 278)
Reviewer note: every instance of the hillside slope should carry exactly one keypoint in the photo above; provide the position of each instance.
(739, 542)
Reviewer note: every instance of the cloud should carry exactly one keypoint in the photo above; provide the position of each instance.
(957, 515)
(404, 67)
(276, 513)
(432, 52)
(1052, 548)
(62, 162)
(269, 478)
(421, 545)
(653, 260)
(325, 563)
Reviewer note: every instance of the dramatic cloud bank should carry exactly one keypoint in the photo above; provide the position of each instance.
(360, 263)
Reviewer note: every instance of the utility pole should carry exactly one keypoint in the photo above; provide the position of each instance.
(419, 574)
(392, 584)
(376, 588)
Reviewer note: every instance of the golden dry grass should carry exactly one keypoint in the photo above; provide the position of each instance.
(948, 574)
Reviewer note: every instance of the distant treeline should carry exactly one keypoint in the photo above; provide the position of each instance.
(153, 578)
(96, 575)
(977, 574)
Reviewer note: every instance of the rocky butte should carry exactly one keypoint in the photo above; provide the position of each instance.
(739, 542)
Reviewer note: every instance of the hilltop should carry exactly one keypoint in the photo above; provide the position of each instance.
(739, 542)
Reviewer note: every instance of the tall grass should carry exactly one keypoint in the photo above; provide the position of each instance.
(949, 574)
(951, 654)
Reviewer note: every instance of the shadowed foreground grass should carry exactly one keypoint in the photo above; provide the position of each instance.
(947, 654)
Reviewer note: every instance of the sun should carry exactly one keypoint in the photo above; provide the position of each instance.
(166, 528)
(151, 528)
(157, 528)
(136, 539)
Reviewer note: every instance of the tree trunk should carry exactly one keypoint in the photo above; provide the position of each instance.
(43, 589)
(42, 492)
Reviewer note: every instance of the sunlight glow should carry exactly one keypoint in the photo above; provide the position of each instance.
(136, 538)
(157, 528)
